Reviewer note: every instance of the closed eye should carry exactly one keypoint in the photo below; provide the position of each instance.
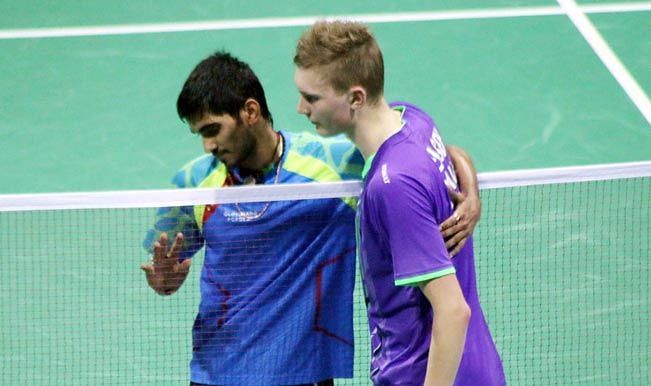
(309, 98)
(210, 130)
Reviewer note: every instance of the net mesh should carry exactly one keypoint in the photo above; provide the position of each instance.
(563, 275)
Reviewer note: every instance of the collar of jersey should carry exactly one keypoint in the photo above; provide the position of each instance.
(367, 165)
(369, 161)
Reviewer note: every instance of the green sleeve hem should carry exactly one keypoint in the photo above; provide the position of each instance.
(416, 280)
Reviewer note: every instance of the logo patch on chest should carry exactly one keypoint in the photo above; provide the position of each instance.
(385, 174)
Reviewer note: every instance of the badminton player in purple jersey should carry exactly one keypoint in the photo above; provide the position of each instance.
(425, 320)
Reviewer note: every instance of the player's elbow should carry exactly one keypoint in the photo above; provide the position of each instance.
(459, 313)
(465, 314)
(447, 300)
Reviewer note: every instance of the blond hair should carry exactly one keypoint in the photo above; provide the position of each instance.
(348, 53)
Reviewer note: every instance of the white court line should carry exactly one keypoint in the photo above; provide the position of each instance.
(32, 33)
(608, 57)
(617, 7)
(576, 14)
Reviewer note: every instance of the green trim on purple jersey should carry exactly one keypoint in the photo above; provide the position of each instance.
(416, 280)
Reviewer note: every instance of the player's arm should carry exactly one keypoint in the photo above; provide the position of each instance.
(171, 259)
(451, 318)
(166, 272)
(169, 265)
(417, 247)
(460, 225)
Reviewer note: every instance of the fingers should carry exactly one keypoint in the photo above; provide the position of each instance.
(163, 252)
(176, 246)
(160, 248)
(184, 266)
(456, 243)
(446, 224)
(455, 235)
(150, 274)
(147, 268)
(451, 225)
(458, 248)
(165, 273)
(455, 239)
(164, 255)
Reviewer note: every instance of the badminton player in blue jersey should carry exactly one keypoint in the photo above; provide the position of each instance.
(277, 278)
(425, 320)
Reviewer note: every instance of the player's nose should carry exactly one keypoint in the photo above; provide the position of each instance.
(302, 107)
(209, 145)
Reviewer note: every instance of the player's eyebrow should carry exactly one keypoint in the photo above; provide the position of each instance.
(309, 97)
(209, 126)
(209, 129)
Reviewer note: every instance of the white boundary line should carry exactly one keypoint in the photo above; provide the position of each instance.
(33, 33)
(608, 57)
(180, 197)
(564, 175)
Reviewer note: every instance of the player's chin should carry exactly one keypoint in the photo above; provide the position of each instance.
(325, 132)
(227, 159)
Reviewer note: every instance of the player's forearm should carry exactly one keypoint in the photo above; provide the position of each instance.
(446, 347)
(465, 170)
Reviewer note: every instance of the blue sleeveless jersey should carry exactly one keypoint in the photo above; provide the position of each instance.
(277, 279)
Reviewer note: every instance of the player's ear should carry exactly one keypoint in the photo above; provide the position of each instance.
(357, 97)
(250, 113)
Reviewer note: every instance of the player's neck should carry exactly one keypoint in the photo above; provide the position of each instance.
(375, 124)
(267, 152)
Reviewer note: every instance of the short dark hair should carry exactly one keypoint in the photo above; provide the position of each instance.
(220, 84)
